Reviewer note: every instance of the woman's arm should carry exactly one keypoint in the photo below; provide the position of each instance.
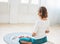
(35, 29)
(48, 27)
(17, 37)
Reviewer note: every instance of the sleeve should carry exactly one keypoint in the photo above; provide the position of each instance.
(35, 27)
(48, 26)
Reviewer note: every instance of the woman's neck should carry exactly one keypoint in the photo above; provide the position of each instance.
(43, 19)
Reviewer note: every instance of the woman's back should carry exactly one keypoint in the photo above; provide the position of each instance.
(40, 28)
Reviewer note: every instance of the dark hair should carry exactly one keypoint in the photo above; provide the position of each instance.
(43, 10)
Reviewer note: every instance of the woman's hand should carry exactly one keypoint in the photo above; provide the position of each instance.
(28, 37)
(20, 36)
(34, 34)
(47, 31)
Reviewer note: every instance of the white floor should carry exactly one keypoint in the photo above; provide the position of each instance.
(53, 36)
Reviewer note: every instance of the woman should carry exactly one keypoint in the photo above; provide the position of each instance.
(40, 29)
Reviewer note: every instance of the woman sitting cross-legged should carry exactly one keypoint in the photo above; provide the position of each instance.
(40, 29)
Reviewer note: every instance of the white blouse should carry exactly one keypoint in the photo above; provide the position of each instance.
(40, 28)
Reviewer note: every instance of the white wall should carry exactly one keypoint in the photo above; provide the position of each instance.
(22, 13)
(53, 10)
(13, 6)
(26, 13)
(4, 12)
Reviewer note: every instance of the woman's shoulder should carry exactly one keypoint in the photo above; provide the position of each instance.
(38, 22)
